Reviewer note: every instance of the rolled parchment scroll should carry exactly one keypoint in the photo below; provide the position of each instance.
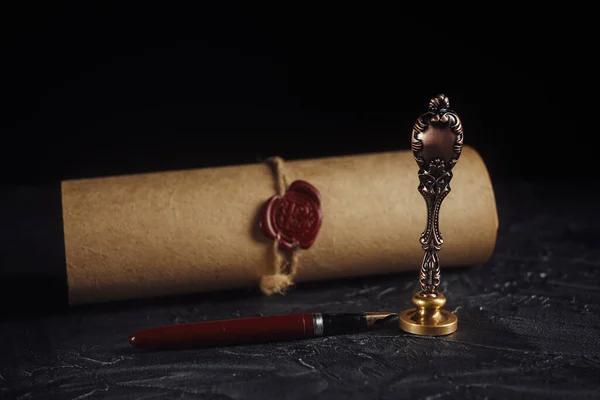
(177, 232)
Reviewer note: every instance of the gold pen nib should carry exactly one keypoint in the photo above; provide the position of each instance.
(381, 319)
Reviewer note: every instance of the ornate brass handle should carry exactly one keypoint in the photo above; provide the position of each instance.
(437, 141)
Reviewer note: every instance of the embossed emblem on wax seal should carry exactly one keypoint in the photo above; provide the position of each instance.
(295, 218)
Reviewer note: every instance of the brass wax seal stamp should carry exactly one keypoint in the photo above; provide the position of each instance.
(437, 140)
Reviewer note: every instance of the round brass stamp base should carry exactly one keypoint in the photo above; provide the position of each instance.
(428, 319)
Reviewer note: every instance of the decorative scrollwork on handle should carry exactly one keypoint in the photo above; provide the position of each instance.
(437, 141)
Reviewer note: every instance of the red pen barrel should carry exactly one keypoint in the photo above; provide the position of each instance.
(226, 332)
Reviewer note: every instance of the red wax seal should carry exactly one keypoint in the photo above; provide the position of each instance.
(296, 216)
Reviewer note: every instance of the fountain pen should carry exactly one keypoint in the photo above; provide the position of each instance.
(260, 329)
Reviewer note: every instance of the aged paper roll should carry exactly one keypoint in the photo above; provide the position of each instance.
(156, 234)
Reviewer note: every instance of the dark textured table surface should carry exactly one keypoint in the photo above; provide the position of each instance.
(529, 327)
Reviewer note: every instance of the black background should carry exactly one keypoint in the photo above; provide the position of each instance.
(99, 88)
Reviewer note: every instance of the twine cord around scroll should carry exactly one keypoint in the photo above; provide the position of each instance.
(284, 268)
(277, 164)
